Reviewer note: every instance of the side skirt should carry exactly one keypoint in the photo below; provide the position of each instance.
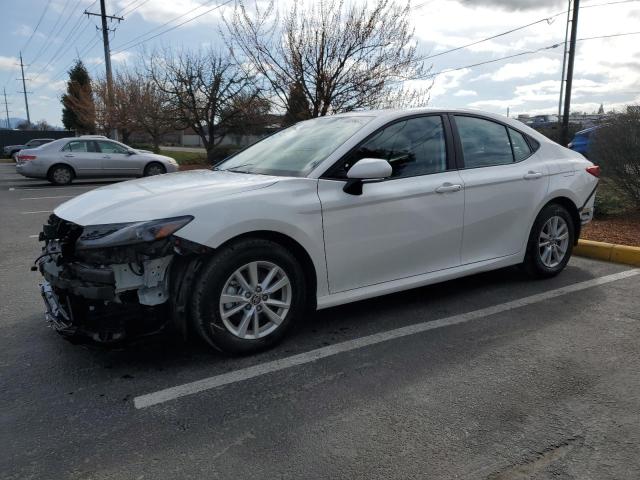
(415, 281)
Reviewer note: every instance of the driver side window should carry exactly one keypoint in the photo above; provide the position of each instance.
(413, 147)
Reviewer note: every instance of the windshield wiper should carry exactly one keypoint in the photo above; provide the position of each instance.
(235, 168)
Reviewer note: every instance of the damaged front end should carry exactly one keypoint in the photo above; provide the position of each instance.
(117, 281)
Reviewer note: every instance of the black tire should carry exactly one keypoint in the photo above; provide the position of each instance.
(60, 175)
(214, 274)
(533, 263)
(154, 168)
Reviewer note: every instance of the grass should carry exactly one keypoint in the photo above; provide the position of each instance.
(186, 158)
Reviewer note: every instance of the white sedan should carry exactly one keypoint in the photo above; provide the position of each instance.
(326, 212)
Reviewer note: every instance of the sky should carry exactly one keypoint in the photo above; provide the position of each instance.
(52, 33)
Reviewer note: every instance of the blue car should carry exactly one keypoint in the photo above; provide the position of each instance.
(582, 140)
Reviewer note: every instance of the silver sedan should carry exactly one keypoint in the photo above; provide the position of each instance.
(89, 156)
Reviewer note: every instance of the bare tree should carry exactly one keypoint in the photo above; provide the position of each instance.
(151, 109)
(42, 125)
(202, 87)
(339, 56)
(121, 114)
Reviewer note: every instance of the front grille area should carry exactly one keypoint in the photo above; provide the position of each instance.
(64, 232)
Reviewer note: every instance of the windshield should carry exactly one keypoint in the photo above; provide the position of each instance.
(296, 150)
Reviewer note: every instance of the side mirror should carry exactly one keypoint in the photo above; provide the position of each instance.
(131, 152)
(366, 169)
(370, 169)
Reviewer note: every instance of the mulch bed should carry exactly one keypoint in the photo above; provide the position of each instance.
(193, 167)
(623, 230)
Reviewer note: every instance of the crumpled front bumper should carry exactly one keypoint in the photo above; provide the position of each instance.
(101, 297)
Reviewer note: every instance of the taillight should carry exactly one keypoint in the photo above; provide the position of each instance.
(24, 158)
(594, 170)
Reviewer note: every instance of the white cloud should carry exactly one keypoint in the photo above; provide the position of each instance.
(23, 30)
(8, 63)
(465, 93)
(528, 69)
(159, 11)
(121, 57)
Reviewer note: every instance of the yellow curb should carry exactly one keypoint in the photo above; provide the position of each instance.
(608, 252)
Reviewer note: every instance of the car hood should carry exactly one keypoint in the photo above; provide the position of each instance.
(156, 197)
(13, 146)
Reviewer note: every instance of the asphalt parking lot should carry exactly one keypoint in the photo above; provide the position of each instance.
(494, 377)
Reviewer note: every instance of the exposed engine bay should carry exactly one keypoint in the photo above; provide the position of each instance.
(114, 282)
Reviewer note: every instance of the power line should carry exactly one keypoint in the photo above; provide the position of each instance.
(24, 47)
(66, 44)
(122, 46)
(50, 36)
(528, 52)
(129, 10)
(82, 53)
(549, 20)
(608, 36)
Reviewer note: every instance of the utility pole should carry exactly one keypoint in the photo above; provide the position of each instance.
(564, 63)
(564, 134)
(24, 90)
(6, 106)
(107, 54)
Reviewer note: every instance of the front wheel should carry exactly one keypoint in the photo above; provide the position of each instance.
(550, 242)
(154, 168)
(247, 296)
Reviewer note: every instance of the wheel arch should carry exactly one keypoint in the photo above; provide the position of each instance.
(61, 164)
(572, 208)
(152, 162)
(298, 251)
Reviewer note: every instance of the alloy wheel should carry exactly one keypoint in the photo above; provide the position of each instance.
(255, 300)
(553, 241)
(155, 170)
(61, 176)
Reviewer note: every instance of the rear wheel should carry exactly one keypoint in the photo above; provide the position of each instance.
(550, 242)
(154, 168)
(60, 175)
(248, 296)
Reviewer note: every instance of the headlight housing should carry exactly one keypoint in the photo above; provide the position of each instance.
(119, 234)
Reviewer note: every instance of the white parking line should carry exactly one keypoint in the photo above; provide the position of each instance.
(44, 198)
(34, 236)
(191, 388)
(47, 188)
(39, 211)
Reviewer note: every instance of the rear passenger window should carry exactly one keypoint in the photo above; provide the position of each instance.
(520, 146)
(484, 143)
(76, 146)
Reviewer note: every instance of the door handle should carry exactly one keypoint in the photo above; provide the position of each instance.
(107, 156)
(68, 155)
(448, 187)
(531, 175)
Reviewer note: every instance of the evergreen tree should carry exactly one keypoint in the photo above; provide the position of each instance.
(79, 112)
(297, 105)
(601, 110)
